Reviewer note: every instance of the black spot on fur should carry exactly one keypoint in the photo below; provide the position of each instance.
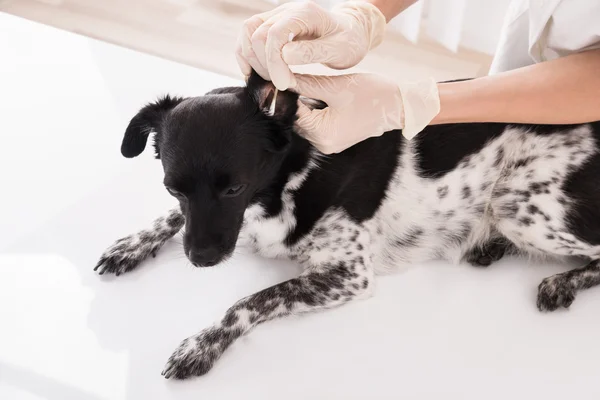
(545, 216)
(410, 239)
(524, 195)
(562, 201)
(442, 191)
(507, 210)
(522, 162)
(466, 192)
(539, 187)
(525, 221)
(500, 191)
(230, 319)
(532, 209)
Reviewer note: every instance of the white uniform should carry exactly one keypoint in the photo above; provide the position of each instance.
(542, 30)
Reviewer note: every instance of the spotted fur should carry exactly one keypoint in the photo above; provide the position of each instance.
(387, 203)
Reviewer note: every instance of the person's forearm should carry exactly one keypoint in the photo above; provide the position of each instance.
(391, 8)
(562, 91)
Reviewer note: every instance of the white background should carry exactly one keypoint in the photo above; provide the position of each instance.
(432, 331)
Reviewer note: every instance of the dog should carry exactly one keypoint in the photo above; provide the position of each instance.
(457, 192)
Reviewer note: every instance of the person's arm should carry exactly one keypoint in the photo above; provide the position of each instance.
(561, 91)
(391, 8)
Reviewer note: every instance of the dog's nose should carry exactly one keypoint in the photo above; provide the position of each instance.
(205, 257)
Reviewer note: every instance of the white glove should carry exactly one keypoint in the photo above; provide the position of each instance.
(339, 38)
(362, 106)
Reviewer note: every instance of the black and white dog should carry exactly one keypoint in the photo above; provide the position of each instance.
(460, 191)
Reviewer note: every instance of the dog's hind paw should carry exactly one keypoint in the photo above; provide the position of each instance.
(488, 253)
(555, 292)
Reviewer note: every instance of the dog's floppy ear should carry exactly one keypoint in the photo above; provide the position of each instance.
(147, 120)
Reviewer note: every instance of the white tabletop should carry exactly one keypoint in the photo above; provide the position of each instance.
(433, 331)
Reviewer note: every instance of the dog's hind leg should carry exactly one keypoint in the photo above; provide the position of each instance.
(127, 253)
(322, 285)
(560, 290)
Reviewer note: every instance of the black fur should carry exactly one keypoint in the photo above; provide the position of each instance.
(442, 147)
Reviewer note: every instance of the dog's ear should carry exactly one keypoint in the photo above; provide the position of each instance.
(284, 112)
(262, 92)
(147, 120)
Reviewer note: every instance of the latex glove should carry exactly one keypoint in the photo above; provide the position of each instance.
(362, 106)
(339, 38)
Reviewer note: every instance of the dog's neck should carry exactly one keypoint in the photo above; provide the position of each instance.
(296, 158)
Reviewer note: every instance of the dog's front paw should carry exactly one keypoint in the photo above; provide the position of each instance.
(197, 354)
(555, 292)
(124, 255)
(127, 253)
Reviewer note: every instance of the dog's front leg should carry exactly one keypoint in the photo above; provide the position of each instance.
(319, 287)
(127, 253)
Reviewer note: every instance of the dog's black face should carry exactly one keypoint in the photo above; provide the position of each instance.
(218, 152)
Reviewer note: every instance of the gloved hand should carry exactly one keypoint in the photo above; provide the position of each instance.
(361, 106)
(339, 38)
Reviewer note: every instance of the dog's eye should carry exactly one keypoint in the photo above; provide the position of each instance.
(234, 190)
(174, 193)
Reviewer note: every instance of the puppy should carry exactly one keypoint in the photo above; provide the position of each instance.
(460, 191)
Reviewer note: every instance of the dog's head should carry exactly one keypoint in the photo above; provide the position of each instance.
(218, 151)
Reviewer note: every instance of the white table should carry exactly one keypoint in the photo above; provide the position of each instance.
(431, 332)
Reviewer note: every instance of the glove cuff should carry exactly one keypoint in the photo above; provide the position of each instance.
(421, 103)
